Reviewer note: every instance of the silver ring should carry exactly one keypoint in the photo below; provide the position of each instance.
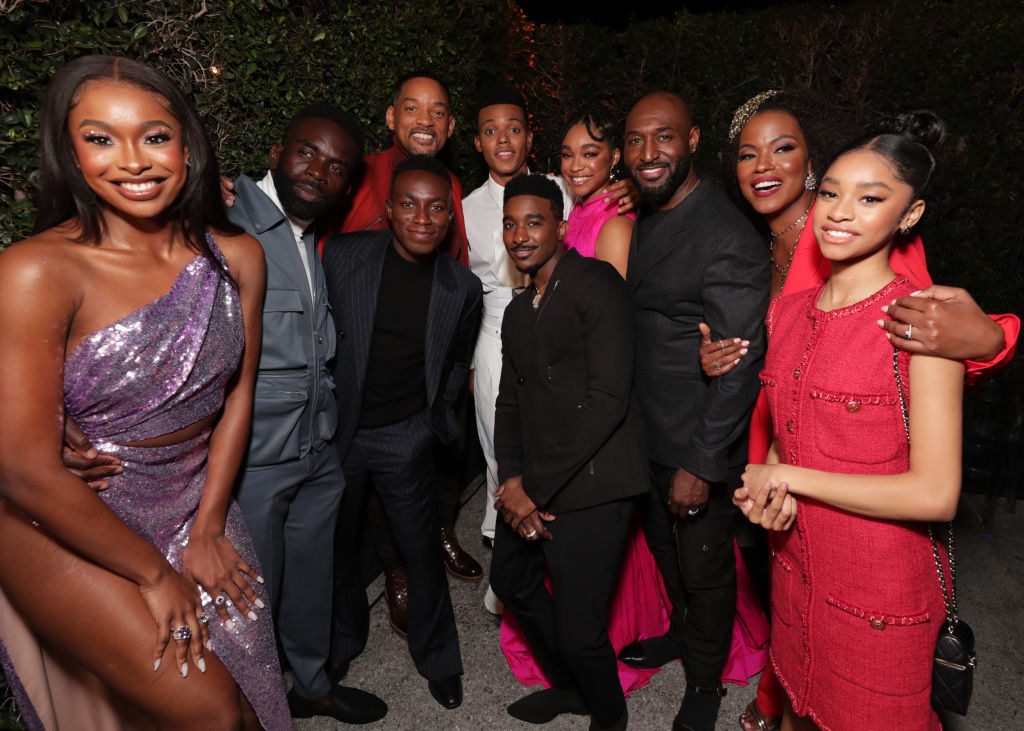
(692, 511)
(203, 618)
(721, 345)
(220, 601)
(184, 632)
(531, 534)
(717, 367)
(910, 331)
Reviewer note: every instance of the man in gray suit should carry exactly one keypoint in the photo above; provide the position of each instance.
(291, 483)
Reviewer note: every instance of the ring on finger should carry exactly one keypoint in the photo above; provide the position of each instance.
(182, 633)
(717, 367)
(721, 345)
(909, 333)
(203, 618)
(531, 534)
(220, 601)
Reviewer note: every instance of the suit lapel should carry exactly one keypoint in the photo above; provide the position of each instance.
(442, 318)
(362, 293)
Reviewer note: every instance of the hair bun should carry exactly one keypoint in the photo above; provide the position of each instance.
(922, 125)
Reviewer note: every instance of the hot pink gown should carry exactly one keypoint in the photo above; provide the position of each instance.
(640, 607)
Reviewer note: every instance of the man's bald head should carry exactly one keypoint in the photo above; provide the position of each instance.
(660, 139)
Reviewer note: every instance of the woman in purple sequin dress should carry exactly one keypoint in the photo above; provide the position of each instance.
(140, 605)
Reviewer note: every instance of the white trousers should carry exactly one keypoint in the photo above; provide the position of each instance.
(486, 376)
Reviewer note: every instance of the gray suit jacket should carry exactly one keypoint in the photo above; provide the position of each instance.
(353, 264)
(294, 410)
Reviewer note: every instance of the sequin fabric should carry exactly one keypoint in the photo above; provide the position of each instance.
(153, 372)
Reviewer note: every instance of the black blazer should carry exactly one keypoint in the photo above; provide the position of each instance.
(563, 420)
(701, 261)
(353, 264)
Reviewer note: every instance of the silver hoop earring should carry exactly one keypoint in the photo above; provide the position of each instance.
(811, 181)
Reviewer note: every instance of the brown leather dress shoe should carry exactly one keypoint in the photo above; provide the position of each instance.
(396, 594)
(457, 562)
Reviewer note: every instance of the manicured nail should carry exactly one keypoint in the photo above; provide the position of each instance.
(184, 670)
(259, 603)
(209, 646)
(746, 343)
(914, 294)
(156, 664)
(885, 308)
(201, 664)
(880, 323)
(260, 579)
(229, 624)
(252, 615)
(743, 351)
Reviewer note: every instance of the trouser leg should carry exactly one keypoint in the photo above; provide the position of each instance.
(583, 561)
(350, 625)
(659, 531)
(486, 375)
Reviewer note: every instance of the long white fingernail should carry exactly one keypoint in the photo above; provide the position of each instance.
(260, 579)
(259, 603)
(156, 664)
(229, 624)
(209, 645)
(184, 670)
(201, 664)
(252, 615)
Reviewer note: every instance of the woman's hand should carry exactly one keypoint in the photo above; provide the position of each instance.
(772, 509)
(174, 603)
(213, 563)
(942, 321)
(720, 356)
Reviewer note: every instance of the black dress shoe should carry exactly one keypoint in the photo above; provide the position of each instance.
(348, 705)
(545, 705)
(336, 672)
(699, 709)
(651, 653)
(447, 691)
(396, 595)
(457, 562)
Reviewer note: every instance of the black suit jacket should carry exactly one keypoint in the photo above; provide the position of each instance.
(353, 264)
(698, 262)
(563, 420)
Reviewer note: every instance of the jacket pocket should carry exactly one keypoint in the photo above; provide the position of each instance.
(858, 428)
(284, 331)
(782, 595)
(886, 652)
(278, 407)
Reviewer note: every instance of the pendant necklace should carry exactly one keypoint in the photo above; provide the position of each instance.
(784, 270)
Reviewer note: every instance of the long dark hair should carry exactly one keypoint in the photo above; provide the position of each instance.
(65, 195)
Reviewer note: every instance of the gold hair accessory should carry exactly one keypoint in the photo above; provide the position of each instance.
(742, 115)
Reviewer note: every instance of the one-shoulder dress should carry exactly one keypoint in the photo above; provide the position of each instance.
(153, 372)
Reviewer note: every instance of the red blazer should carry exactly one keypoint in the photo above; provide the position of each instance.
(364, 211)
(809, 268)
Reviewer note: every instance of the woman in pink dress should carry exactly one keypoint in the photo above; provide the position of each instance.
(868, 438)
(591, 151)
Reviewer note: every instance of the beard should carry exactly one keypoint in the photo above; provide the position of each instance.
(656, 195)
(295, 205)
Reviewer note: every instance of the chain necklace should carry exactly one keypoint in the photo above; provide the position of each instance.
(784, 270)
(538, 294)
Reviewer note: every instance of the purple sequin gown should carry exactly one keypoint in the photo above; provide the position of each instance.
(151, 373)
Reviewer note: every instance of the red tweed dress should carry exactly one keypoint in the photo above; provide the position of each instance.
(856, 601)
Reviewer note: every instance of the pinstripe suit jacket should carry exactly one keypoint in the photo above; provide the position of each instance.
(353, 264)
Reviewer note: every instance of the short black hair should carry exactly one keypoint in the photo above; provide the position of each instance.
(537, 185)
(420, 75)
(331, 113)
(492, 94)
(425, 163)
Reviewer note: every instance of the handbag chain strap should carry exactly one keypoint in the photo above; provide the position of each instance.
(948, 595)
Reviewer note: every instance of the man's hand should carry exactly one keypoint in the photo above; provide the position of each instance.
(531, 528)
(227, 191)
(513, 503)
(943, 321)
(688, 494)
(721, 356)
(625, 192)
(82, 460)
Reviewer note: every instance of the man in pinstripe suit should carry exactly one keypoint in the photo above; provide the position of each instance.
(406, 315)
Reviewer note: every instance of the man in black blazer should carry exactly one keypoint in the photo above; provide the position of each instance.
(406, 316)
(570, 457)
(694, 258)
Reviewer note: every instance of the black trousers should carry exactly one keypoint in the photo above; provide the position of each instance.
(697, 562)
(568, 628)
(397, 462)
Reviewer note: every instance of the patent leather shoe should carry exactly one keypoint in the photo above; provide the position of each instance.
(396, 595)
(447, 691)
(650, 653)
(457, 562)
(348, 705)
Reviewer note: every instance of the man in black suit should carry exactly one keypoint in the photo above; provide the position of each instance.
(570, 457)
(406, 316)
(694, 258)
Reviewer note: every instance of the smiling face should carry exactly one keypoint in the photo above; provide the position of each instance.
(660, 140)
(129, 147)
(772, 165)
(861, 203)
(504, 140)
(586, 163)
(420, 117)
(313, 167)
(420, 211)
(533, 235)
